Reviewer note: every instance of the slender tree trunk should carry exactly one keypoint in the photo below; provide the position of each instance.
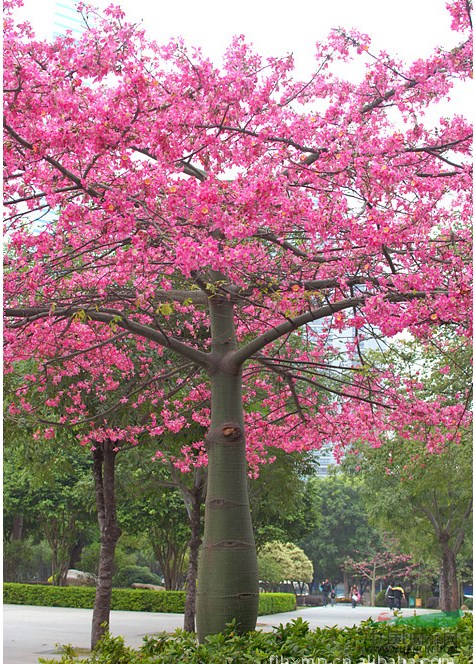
(63, 573)
(104, 480)
(75, 553)
(449, 590)
(170, 559)
(55, 539)
(168, 572)
(54, 567)
(346, 584)
(227, 576)
(17, 529)
(373, 586)
(194, 548)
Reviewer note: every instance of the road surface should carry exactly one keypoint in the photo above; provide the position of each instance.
(30, 632)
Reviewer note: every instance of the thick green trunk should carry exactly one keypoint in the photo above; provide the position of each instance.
(227, 575)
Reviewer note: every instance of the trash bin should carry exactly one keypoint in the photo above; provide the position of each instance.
(418, 602)
(412, 601)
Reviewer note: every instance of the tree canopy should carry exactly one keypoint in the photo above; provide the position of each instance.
(227, 220)
(283, 561)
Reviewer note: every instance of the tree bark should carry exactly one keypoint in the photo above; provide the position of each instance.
(170, 557)
(449, 588)
(57, 533)
(194, 548)
(373, 586)
(75, 553)
(17, 528)
(104, 481)
(227, 575)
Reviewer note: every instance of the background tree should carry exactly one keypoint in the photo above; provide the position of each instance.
(188, 198)
(282, 507)
(379, 562)
(283, 561)
(49, 487)
(425, 497)
(343, 526)
(160, 514)
(173, 522)
(426, 501)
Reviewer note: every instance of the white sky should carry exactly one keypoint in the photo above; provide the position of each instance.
(409, 27)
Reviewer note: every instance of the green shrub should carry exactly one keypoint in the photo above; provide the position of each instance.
(309, 600)
(468, 601)
(125, 577)
(432, 603)
(24, 561)
(124, 599)
(294, 642)
(276, 603)
(380, 599)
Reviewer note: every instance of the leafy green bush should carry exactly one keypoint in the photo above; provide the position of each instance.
(432, 603)
(309, 600)
(83, 598)
(293, 642)
(25, 561)
(380, 599)
(124, 599)
(135, 574)
(276, 603)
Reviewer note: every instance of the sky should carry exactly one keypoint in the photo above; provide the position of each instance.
(409, 28)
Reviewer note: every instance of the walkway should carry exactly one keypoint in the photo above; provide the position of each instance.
(30, 632)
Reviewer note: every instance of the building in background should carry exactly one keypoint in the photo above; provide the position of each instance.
(325, 460)
(337, 343)
(66, 17)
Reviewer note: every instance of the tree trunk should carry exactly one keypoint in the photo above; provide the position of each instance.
(346, 583)
(227, 575)
(170, 556)
(449, 591)
(17, 528)
(76, 552)
(194, 547)
(104, 481)
(63, 573)
(55, 536)
(373, 586)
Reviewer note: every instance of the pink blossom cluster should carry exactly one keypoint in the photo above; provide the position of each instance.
(142, 180)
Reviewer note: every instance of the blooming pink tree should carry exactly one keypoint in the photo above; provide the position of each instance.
(233, 219)
(380, 563)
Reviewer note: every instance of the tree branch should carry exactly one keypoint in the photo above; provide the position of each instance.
(257, 344)
(30, 314)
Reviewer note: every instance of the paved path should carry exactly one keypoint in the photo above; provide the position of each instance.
(30, 632)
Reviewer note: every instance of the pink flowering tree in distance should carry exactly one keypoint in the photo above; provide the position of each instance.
(383, 562)
(230, 219)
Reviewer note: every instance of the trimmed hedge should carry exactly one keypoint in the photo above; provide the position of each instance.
(125, 599)
(309, 600)
(276, 603)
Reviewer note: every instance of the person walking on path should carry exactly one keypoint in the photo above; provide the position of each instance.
(398, 595)
(355, 596)
(390, 596)
(332, 596)
(326, 590)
